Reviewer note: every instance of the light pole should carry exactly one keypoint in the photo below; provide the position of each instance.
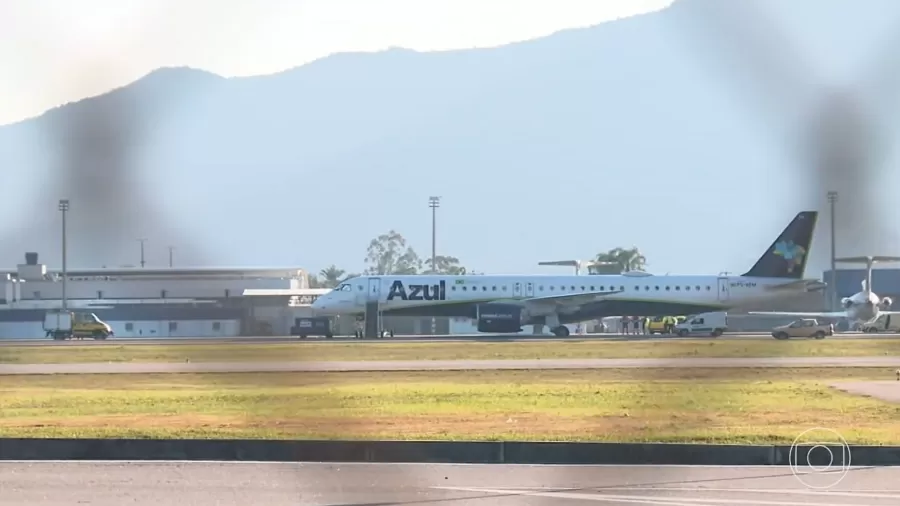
(434, 203)
(832, 200)
(64, 208)
(142, 241)
(171, 248)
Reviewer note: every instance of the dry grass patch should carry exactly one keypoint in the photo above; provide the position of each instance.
(700, 405)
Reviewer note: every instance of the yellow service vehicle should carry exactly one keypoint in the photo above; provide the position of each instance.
(66, 324)
(664, 324)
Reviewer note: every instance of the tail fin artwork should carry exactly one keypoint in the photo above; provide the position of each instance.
(786, 257)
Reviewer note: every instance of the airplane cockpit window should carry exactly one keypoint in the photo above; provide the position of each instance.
(344, 287)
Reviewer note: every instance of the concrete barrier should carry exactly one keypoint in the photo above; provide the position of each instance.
(513, 452)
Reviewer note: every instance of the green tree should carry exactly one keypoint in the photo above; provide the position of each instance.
(389, 254)
(621, 260)
(444, 264)
(331, 277)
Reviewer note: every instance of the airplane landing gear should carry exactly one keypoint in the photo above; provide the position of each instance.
(561, 331)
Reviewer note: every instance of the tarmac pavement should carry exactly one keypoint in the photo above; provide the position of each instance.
(316, 484)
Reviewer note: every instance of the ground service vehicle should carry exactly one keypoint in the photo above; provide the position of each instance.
(315, 326)
(713, 324)
(663, 324)
(884, 323)
(63, 324)
(805, 327)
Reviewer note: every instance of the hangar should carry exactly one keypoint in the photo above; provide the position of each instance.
(848, 281)
(166, 302)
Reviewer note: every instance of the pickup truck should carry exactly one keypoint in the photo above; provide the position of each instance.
(805, 327)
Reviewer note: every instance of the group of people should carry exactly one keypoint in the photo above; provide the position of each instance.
(640, 325)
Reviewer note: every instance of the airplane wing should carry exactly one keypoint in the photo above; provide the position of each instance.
(570, 299)
(824, 314)
(811, 285)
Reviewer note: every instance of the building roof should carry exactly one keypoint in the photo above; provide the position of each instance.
(284, 292)
(174, 271)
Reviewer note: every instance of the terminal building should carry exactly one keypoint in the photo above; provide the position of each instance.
(170, 302)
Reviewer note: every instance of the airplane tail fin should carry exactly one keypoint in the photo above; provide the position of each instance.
(786, 257)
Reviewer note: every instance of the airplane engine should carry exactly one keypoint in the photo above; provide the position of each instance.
(885, 303)
(500, 318)
(847, 302)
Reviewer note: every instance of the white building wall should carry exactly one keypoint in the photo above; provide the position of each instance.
(136, 288)
(148, 329)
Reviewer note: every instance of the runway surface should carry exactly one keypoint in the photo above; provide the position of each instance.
(490, 338)
(441, 365)
(242, 484)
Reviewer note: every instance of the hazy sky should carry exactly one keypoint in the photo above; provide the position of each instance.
(54, 51)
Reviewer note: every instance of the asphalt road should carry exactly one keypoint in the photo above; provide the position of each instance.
(441, 365)
(241, 484)
(493, 338)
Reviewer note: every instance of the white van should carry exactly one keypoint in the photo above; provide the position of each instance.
(884, 323)
(713, 324)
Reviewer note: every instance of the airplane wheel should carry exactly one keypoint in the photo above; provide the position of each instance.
(561, 331)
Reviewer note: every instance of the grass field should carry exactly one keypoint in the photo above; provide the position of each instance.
(713, 405)
(444, 351)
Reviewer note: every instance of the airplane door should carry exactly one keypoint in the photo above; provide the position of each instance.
(724, 294)
(517, 289)
(529, 289)
(374, 289)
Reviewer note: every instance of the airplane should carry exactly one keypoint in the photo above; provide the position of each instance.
(504, 303)
(862, 307)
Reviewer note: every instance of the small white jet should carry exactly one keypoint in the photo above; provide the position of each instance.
(860, 308)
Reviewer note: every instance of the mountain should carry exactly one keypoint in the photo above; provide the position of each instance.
(618, 134)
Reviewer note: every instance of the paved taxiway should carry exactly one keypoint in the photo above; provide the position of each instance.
(441, 365)
(276, 484)
(491, 338)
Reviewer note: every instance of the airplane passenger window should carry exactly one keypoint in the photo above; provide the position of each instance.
(647, 288)
(622, 288)
(677, 288)
(637, 287)
(493, 288)
(483, 288)
(602, 288)
(573, 288)
(582, 288)
(657, 288)
(667, 288)
(541, 288)
(464, 289)
(688, 288)
(453, 288)
(708, 288)
(504, 288)
(592, 289)
(697, 288)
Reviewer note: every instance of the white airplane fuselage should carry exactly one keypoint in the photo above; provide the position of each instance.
(638, 295)
(865, 306)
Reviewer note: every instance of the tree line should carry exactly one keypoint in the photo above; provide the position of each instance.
(389, 253)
